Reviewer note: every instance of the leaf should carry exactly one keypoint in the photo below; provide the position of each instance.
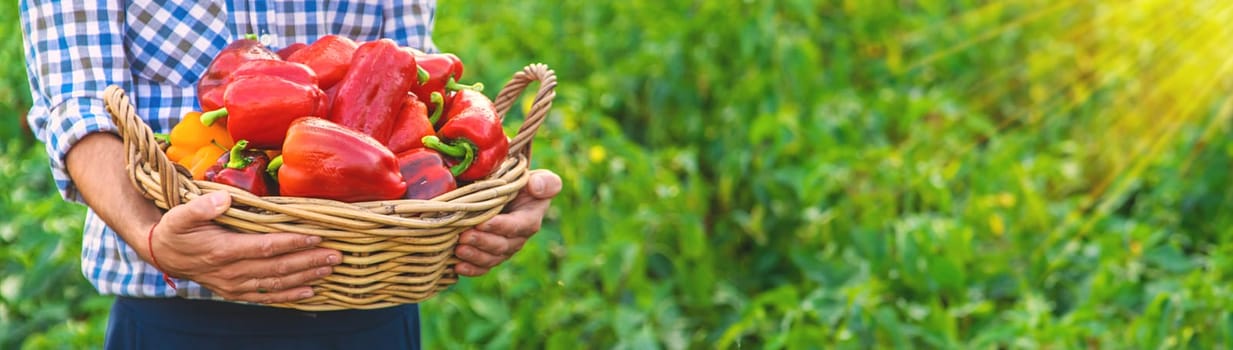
(490, 309)
(1169, 258)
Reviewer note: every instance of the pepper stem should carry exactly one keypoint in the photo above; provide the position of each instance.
(219, 145)
(454, 85)
(438, 103)
(423, 74)
(163, 137)
(251, 36)
(275, 164)
(238, 160)
(208, 118)
(464, 149)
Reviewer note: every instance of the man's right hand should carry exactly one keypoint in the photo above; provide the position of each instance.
(263, 268)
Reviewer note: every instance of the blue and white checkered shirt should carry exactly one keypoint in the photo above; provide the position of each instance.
(156, 50)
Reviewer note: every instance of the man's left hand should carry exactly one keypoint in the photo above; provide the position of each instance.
(496, 240)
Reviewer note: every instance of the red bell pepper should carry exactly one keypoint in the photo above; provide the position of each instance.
(261, 106)
(472, 137)
(444, 70)
(410, 127)
(425, 173)
(322, 159)
(295, 72)
(371, 93)
(330, 56)
(245, 169)
(211, 86)
(286, 52)
(329, 99)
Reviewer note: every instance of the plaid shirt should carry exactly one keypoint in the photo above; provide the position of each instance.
(156, 50)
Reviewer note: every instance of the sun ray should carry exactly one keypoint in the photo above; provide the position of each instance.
(1056, 6)
(1057, 103)
(1157, 65)
(1182, 89)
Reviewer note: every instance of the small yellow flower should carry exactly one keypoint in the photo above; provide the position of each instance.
(598, 154)
(997, 225)
(1006, 199)
(569, 123)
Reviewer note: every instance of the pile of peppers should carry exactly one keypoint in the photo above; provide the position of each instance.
(338, 119)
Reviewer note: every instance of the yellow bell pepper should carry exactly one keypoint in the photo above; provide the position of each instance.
(197, 146)
(203, 160)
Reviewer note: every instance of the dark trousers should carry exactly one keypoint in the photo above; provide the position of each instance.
(174, 323)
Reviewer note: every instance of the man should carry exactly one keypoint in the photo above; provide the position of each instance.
(157, 50)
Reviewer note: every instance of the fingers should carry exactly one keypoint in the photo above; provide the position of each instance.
(522, 221)
(259, 246)
(478, 257)
(482, 251)
(279, 283)
(525, 213)
(469, 270)
(497, 239)
(285, 265)
(285, 296)
(275, 275)
(491, 243)
(198, 211)
(543, 184)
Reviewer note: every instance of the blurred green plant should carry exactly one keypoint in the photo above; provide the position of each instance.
(864, 174)
(42, 291)
(44, 301)
(844, 174)
(14, 91)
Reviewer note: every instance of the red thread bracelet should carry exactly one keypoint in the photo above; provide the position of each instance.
(150, 246)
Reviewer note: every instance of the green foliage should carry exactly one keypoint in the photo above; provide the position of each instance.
(44, 301)
(805, 174)
(14, 91)
(865, 174)
(42, 289)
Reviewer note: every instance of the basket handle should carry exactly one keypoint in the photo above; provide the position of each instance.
(142, 148)
(539, 108)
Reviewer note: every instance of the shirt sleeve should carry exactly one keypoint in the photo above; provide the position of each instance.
(409, 23)
(73, 50)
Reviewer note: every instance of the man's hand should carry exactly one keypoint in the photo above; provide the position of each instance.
(264, 268)
(496, 240)
(186, 243)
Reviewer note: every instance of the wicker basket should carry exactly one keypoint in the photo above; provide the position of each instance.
(394, 252)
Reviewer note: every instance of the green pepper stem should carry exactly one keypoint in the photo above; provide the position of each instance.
(163, 137)
(453, 85)
(435, 143)
(463, 149)
(438, 103)
(250, 36)
(238, 160)
(275, 164)
(208, 118)
(423, 74)
(219, 145)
